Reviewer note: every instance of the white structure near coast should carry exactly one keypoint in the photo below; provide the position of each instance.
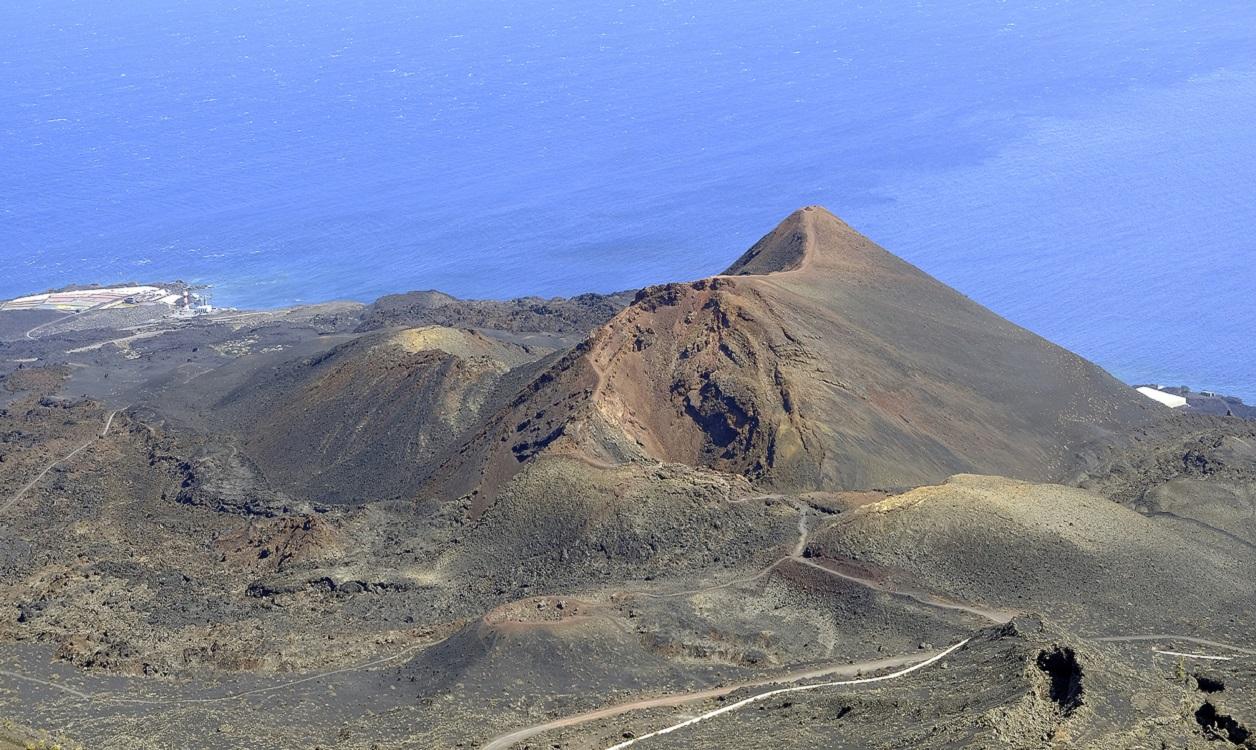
(95, 299)
(1170, 400)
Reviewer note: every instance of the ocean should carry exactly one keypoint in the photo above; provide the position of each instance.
(1087, 169)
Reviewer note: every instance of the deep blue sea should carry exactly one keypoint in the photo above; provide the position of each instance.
(1087, 169)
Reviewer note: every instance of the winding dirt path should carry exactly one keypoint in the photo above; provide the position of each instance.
(64, 318)
(508, 740)
(112, 698)
(712, 587)
(106, 697)
(272, 688)
(796, 555)
(1191, 656)
(67, 457)
(803, 532)
(237, 316)
(45, 683)
(1169, 637)
(680, 699)
(780, 691)
(799, 546)
(921, 597)
(51, 322)
(109, 421)
(123, 340)
(1199, 525)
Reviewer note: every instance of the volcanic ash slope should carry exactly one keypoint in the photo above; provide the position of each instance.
(1082, 558)
(817, 361)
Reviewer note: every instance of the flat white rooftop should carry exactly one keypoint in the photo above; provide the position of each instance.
(1168, 399)
(84, 299)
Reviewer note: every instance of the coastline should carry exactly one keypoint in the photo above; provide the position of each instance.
(93, 325)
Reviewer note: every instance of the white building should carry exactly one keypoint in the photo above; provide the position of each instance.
(1168, 399)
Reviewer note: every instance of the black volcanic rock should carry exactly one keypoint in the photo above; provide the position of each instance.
(563, 316)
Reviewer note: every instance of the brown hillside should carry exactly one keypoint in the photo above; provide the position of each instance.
(1013, 545)
(819, 361)
(362, 420)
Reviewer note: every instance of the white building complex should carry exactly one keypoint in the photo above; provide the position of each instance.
(99, 299)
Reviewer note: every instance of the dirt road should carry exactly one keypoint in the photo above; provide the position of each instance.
(921, 597)
(797, 555)
(780, 691)
(113, 698)
(27, 487)
(508, 740)
(93, 308)
(1167, 637)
